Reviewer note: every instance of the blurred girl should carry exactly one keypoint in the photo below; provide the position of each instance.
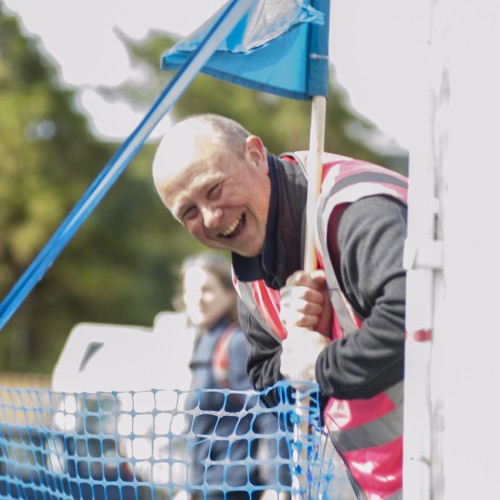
(208, 299)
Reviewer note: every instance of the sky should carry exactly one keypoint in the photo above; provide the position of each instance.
(374, 47)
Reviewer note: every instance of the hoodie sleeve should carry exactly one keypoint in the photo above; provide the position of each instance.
(367, 252)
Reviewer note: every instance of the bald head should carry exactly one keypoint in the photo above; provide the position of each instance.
(213, 176)
(191, 140)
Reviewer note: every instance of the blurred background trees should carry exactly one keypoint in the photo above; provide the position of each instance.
(118, 267)
(121, 265)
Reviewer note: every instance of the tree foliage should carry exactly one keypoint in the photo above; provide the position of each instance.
(118, 266)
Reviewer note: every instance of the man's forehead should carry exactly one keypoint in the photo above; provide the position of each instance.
(187, 185)
(174, 155)
(182, 145)
(196, 176)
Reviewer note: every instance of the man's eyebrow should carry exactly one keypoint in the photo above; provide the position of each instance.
(205, 181)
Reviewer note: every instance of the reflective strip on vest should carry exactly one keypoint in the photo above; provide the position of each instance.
(260, 309)
(344, 181)
(355, 424)
(381, 476)
(268, 302)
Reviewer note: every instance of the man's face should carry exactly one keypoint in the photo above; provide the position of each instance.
(221, 199)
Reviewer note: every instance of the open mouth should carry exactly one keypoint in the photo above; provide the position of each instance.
(235, 227)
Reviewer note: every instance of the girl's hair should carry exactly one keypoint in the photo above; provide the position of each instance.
(216, 263)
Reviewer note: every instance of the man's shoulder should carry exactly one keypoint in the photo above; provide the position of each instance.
(374, 207)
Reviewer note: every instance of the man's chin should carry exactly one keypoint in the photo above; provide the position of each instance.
(248, 251)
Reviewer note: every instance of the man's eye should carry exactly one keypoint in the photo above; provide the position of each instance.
(214, 192)
(189, 214)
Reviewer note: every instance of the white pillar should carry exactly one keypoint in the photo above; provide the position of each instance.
(464, 139)
(423, 259)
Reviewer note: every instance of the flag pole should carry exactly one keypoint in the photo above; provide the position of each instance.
(314, 167)
(314, 176)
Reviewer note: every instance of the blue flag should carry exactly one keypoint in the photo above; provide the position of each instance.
(279, 46)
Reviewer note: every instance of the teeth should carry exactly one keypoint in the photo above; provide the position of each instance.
(232, 227)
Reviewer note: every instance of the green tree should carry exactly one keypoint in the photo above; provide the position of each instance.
(117, 268)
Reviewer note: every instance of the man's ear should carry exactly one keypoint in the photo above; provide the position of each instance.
(256, 151)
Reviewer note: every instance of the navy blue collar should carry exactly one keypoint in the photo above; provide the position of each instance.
(262, 266)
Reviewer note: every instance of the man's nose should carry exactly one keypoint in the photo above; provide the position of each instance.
(211, 216)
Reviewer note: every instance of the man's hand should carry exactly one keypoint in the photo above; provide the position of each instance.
(305, 302)
(300, 351)
(306, 313)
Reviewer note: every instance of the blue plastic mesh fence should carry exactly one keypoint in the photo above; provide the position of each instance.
(161, 444)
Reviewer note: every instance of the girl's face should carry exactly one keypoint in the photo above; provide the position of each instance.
(205, 298)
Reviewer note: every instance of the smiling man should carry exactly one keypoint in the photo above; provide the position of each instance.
(348, 318)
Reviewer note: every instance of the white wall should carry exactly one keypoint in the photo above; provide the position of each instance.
(460, 140)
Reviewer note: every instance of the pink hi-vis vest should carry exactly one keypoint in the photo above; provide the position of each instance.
(368, 433)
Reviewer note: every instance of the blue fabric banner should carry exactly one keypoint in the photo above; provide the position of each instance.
(279, 46)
